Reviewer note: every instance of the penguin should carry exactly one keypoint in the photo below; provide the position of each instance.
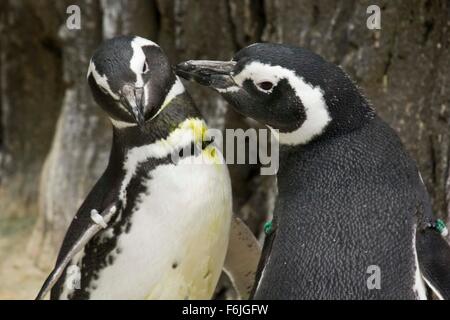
(353, 219)
(156, 225)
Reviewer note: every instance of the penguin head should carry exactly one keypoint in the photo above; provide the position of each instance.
(286, 88)
(130, 78)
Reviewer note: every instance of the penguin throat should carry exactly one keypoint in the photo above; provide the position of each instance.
(189, 131)
(176, 90)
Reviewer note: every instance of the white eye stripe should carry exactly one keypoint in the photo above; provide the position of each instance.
(258, 72)
(102, 81)
(312, 98)
(138, 60)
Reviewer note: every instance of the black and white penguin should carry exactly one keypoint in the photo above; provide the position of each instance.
(156, 225)
(353, 219)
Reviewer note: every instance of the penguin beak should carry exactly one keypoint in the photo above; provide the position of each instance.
(132, 99)
(216, 74)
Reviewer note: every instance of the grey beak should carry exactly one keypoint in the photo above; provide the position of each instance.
(132, 98)
(216, 74)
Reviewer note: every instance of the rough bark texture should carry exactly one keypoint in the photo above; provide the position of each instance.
(31, 95)
(46, 110)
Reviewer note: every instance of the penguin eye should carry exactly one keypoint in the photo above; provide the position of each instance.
(265, 85)
(145, 67)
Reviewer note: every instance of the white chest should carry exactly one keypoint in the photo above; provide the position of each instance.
(178, 238)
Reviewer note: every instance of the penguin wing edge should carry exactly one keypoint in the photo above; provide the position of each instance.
(99, 222)
(241, 262)
(433, 253)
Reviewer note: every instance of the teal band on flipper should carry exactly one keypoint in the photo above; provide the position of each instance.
(268, 227)
(440, 226)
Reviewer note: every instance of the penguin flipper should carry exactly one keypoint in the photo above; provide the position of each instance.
(433, 253)
(241, 261)
(92, 229)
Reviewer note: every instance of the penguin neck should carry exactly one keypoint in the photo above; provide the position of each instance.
(348, 113)
(335, 118)
(176, 111)
(292, 155)
(332, 103)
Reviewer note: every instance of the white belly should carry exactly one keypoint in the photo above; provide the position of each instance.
(178, 239)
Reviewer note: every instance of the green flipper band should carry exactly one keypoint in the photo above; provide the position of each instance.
(440, 226)
(268, 227)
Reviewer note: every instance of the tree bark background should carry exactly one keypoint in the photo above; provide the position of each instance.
(54, 140)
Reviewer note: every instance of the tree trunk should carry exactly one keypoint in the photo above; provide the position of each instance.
(31, 93)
